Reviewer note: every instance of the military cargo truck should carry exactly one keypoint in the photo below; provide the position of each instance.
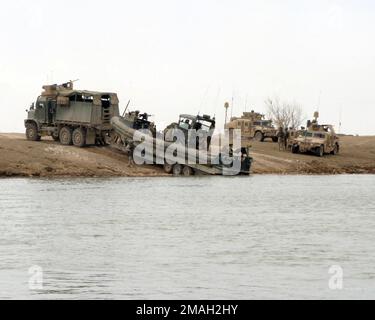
(254, 126)
(317, 139)
(77, 117)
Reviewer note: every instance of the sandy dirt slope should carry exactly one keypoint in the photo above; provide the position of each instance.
(19, 157)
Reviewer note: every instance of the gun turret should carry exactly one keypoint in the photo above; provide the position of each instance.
(53, 89)
(68, 85)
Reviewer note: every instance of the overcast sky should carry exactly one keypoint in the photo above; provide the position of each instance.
(170, 56)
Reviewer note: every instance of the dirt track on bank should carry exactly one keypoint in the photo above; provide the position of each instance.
(19, 157)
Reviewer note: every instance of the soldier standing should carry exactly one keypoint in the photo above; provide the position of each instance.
(280, 138)
(286, 138)
(130, 149)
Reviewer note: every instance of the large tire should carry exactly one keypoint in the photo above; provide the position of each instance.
(295, 149)
(187, 171)
(275, 139)
(32, 133)
(168, 168)
(320, 151)
(65, 136)
(79, 137)
(259, 136)
(55, 136)
(335, 150)
(177, 169)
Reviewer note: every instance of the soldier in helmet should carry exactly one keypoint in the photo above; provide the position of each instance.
(286, 137)
(281, 138)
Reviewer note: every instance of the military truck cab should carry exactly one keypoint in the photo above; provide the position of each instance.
(71, 116)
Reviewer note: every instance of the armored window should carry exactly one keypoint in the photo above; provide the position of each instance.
(205, 126)
(106, 98)
(266, 123)
(72, 98)
(184, 124)
(87, 98)
(319, 135)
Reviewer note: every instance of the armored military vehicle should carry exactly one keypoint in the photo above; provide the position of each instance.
(318, 139)
(293, 134)
(254, 126)
(124, 128)
(132, 121)
(71, 116)
(139, 121)
(204, 124)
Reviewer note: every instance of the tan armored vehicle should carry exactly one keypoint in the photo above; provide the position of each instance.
(318, 139)
(253, 126)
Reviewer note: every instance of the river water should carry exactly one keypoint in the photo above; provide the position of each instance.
(259, 237)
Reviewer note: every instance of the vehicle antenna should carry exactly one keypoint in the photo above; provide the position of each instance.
(126, 109)
(319, 100)
(231, 114)
(204, 97)
(226, 106)
(217, 99)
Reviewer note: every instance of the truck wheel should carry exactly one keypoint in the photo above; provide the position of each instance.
(65, 136)
(177, 169)
(336, 149)
(275, 139)
(295, 149)
(187, 171)
(259, 136)
(168, 168)
(320, 151)
(55, 136)
(79, 137)
(32, 132)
